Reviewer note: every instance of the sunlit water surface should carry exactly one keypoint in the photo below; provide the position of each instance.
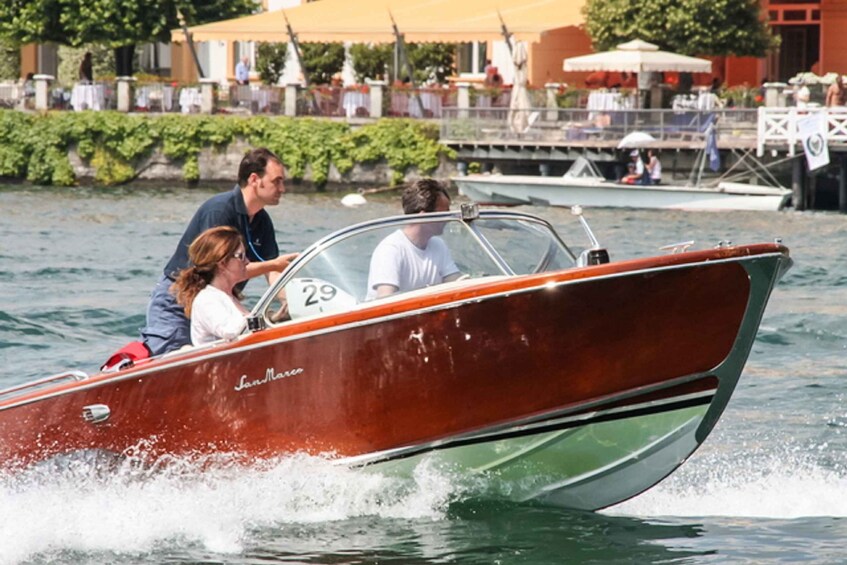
(769, 485)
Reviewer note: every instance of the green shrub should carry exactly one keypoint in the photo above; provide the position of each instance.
(35, 146)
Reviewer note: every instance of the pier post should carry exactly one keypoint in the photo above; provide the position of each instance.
(291, 99)
(125, 93)
(774, 97)
(207, 95)
(42, 91)
(552, 113)
(811, 191)
(464, 99)
(842, 185)
(377, 90)
(798, 188)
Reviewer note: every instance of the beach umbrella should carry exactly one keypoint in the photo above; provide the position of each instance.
(636, 139)
(520, 105)
(638, 57)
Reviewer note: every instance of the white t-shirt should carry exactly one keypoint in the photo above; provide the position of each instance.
(399, 262)
(656, 171)
(215, 315)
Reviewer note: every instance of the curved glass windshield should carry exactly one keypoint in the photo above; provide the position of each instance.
(390, 258)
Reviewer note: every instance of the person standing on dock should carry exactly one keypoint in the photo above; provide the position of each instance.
(836, 94)
(242, 71)
(86, 69)
(261, 182)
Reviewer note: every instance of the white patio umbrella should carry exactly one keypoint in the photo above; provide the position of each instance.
(638, 56)
(520, 105)
(636, 139)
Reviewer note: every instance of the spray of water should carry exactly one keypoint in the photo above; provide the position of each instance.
(90, 506)
(787, 485)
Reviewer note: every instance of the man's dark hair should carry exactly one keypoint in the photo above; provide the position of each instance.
(421, 196)
(255, 161)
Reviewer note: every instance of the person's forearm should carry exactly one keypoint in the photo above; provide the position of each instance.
(258, 269)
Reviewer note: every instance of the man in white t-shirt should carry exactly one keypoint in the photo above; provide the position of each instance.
(414, 257)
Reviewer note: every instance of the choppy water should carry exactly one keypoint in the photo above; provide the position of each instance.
(769, 485)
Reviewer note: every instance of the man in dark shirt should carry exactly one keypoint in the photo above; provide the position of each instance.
(261, 182)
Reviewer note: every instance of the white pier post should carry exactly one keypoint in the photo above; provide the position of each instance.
(464, 99)
(291, 91)
(42, 91)
(552, 113)
(125, 93)
(207, 95)
(377, 88)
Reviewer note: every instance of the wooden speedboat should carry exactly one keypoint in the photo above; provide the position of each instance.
(572, 380)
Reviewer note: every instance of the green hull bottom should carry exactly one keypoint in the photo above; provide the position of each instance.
(585, 467)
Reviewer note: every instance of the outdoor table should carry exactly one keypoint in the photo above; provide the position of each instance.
(429, 100)
(88, 97)
(148, 96)
(189, 99)
(353, 100)
(704, 101)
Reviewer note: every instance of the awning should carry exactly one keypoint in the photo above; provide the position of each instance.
(637, 57)
(419, 21)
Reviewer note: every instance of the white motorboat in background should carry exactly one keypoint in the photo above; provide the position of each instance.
(584, 185)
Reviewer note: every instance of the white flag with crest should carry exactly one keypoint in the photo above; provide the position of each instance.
(812, 132)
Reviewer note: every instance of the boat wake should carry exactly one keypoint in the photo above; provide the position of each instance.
(781, 487)
(93, 504)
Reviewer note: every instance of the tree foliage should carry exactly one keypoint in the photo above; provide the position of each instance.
(270, 61)
(322, 60)
(10, 62)
(371, 61)
(113, 23)
(432, 61)
(691, 27)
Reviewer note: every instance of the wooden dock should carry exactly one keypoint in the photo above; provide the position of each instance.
(555, 138)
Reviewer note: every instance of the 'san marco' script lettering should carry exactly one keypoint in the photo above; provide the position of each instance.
(270, 376)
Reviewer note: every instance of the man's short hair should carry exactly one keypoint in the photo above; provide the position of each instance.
(255, 161)
(422, 195)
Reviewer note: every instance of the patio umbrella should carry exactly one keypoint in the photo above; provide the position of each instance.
(638, 56)
(636, 139)
(520, 105)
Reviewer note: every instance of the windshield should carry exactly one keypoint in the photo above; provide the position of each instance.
(389, 257)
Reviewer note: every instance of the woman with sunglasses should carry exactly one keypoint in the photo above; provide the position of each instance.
(207, 289)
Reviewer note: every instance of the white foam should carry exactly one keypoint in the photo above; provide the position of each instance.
(780, 487)
(80, 509)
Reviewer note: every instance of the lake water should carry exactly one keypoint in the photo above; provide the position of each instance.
(769, 485)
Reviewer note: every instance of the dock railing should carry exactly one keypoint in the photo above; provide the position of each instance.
(777, 127)
(579, 125)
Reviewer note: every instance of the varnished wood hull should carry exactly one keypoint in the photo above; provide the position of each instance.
(639, 351)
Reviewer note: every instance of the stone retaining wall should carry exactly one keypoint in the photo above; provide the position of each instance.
(221, 167)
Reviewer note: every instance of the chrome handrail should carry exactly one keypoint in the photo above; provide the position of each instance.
(67, 375)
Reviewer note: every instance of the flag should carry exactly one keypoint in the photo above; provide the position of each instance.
(811, 129)
(712, 149)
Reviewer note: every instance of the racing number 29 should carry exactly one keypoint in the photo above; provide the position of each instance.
(318, 293)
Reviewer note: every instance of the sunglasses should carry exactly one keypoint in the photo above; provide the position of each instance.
(240, 255)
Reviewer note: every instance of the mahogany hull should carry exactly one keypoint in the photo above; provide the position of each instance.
(452, 367)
